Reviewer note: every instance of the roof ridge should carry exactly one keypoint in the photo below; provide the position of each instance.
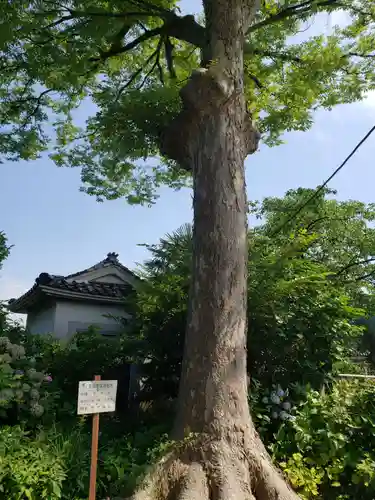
(111, 259)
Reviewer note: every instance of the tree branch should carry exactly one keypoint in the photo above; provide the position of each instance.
(160, 68)
(326, 217)
(365, 276)
(361, 12)
(129, 46)
(357, 54)
(38, 104)
(289, 12)
(255, 80)
(32, 113)
(58, 22)
(147, 76)
(31, 98)
(186, 29)
(353, 264)
(283, 56)
(76, 14)
(311, 224)
(183, 28)
(168, 47)
(155, 54)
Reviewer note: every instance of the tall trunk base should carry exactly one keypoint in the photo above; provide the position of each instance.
(211, 137)
(206, 469)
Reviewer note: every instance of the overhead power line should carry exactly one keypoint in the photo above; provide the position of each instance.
(322, 186)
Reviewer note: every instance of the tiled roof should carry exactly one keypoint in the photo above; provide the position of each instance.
(97, 288)
(63, 286)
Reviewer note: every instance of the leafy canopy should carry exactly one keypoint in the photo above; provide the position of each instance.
(302, 301)
(342, 234)
(131, 57)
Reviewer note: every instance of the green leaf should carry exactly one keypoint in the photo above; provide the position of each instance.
(54, 61)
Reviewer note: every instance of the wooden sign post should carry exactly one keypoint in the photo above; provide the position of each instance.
(94, 451)
(95, 397)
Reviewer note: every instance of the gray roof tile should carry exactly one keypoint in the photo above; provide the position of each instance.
(46, 282)
(97, 288)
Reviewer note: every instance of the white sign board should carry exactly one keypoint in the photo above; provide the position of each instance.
(96, 396)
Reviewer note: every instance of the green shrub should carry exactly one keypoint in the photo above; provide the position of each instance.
(123, 462)
(54, 464)
(85, 355)
(300, 321)
(23, 390)
(28, 468)
(328, 449)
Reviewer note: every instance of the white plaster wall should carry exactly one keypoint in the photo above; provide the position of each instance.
(71, 316)
(41, 322)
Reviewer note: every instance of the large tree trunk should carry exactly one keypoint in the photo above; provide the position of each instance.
(222, 457)
(213, 389)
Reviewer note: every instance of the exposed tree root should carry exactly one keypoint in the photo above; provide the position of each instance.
(215, 470)
(194, 484)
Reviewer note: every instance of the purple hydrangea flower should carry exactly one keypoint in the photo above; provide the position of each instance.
(280, 392)
(48, 378)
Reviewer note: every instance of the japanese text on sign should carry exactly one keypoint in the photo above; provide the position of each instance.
(97, 396)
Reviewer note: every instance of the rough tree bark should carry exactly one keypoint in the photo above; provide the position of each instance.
(224, 459)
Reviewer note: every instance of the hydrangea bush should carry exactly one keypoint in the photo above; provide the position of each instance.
(23, 390)
(328, 449)
(277, 404)
(271, 407)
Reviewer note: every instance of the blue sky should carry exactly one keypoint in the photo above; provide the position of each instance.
(55, 228)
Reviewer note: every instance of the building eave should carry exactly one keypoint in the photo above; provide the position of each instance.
(23, 304)
(36, 294)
